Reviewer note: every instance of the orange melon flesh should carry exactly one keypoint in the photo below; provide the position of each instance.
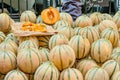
(50, 15)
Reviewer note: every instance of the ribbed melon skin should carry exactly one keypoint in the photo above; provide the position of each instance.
(57, 39)
(27, 44)
(90, 33)
(7, 61)
(11, 36)
(116, 76)
(106, 24)
(77, 30)
(71, 74)
(45, 52)
(16, 75)
(9, 45)
(101, 50)
(63, 56)
(2, 36)
(112, 35)
(28, 57)
(67, 31)
(32, 38)
(115, 50)
(67, 17)
(44, 41)
(111, 66)
(5, 22)
(83, 21)
(85, 65)
(107, 16)
(96, 74)
(61, 23)
(116, 56)
(46, 71)
(96, 18)
(28, 16)
(97, 28)
(116, 19)
(80, 45)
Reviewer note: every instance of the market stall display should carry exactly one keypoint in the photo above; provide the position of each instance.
(53, 46)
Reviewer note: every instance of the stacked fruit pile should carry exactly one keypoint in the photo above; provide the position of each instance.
(86, 49)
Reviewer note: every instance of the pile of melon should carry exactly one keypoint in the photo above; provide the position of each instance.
(85, 49)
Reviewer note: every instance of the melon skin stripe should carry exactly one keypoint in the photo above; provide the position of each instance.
(58, 55)
(80, 45)
(7, 61)
(97, 51)
(29, 57)
(112, 35)
(15, 74)
(47, 71)
(96, 73)
(71, 74)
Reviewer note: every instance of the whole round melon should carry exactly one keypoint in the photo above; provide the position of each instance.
(27, 44)
(67, 17)
(46, 71)
(116, 56)
(9, 45)
(28, 16)
(67, 31)
(96, 73)
(5, 22)
(44, 41)
(112, 35)
(63, 56)
(111, 66)
(45, 52)
(101, 50)
(7, 61)
(96, 18)
(90, 33)
(61, 23)
(71, 74)
(116, 19)
(107, 16)
(80, 45)
(29, 57)
(85, 65)
(57, 39)
(15, 75)
(106, 24)
(116, 76)
(2, 36)
(83, 21)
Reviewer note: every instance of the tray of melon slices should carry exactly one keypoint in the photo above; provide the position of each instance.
(32, 29)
